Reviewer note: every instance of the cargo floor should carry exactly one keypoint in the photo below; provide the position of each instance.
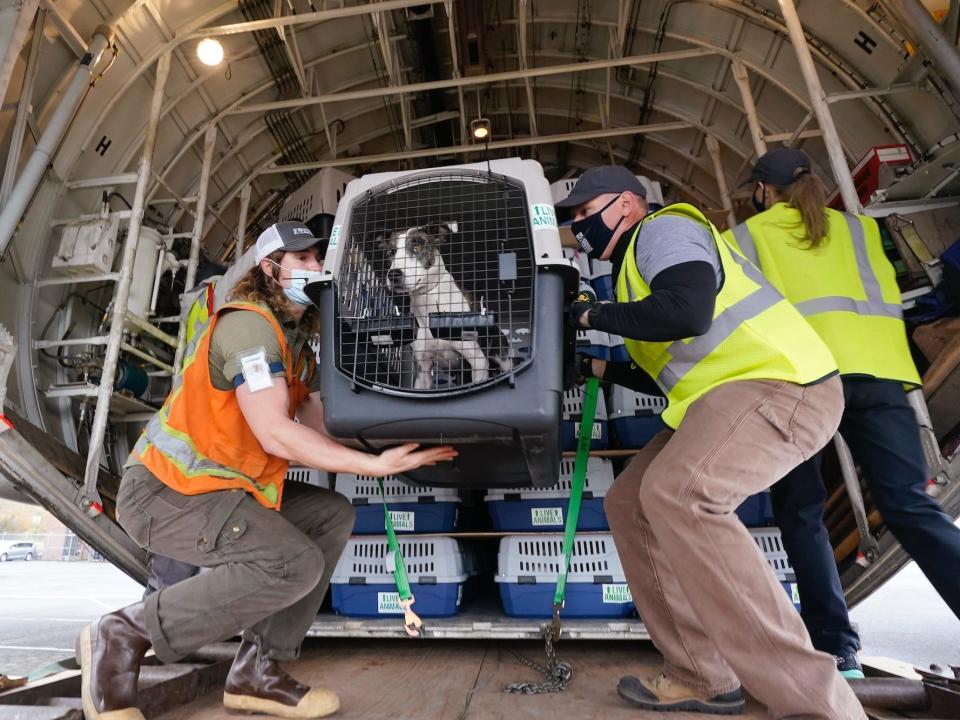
(461, 680)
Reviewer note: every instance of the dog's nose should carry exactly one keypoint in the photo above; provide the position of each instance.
(394, 276)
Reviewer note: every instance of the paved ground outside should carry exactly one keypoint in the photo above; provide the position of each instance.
(43, 606)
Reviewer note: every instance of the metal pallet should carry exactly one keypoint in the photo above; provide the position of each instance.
(483, 623)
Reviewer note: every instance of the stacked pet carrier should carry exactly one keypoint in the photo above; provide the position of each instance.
(596, 586)
(771, 545)
(439, 569)
(413, 509)
(310, 476)
(545, 509)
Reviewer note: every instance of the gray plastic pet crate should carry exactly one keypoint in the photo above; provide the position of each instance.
(442, 320)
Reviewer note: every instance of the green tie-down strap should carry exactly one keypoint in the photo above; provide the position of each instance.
(590, 393)
(411, 622)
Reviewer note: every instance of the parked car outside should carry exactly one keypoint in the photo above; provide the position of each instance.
(20, 550)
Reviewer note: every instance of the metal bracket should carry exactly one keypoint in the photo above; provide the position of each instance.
(869, 548)
(936, 465)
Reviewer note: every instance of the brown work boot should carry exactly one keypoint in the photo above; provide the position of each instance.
(257, 684)
(110, 652)
(665, 695)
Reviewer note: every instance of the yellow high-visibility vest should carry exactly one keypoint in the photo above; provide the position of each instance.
(755, 335)
(846, 288)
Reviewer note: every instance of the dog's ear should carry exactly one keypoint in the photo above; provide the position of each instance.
(441, 230)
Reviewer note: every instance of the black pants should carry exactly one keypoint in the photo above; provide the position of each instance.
(881, 429)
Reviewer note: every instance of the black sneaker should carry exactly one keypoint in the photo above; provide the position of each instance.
(849, 666)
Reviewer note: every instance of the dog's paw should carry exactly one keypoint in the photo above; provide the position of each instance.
(481, 375)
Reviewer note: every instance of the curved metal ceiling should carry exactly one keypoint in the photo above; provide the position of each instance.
(353, 59)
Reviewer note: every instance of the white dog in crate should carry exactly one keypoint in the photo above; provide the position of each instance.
(417, 270)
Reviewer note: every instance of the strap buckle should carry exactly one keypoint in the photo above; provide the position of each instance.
(411, 621)
(554, 627)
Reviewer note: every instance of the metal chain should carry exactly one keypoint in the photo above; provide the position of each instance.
(556, 672)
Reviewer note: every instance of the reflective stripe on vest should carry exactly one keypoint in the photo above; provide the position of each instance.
(686, 355)
(755, 334)
(874, 305)
(177, 447)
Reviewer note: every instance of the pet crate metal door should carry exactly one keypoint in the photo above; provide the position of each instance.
(442, 321)
(436, 288)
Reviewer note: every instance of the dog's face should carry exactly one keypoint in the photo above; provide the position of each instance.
(416, 264)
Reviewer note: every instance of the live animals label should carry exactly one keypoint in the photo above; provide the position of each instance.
(617, 594)
(543, 217)
(388, 603)
(546, 516)
(402, 520)
(335, 236)
(595, 432)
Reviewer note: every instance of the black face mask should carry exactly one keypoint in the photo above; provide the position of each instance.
(759, 205)
(592, 232)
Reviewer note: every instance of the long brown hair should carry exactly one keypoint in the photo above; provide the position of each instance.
(808, 195)
(258, 287)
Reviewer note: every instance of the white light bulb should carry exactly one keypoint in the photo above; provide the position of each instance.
(480, 132)
(210, 51)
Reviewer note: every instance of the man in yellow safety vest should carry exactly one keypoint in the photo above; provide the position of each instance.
(752, 392)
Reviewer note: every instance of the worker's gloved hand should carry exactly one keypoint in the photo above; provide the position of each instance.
(585, 301)
(584, 366)
(582, 369)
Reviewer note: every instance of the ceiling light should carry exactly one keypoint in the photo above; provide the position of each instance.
(210, 51)
(480, 129)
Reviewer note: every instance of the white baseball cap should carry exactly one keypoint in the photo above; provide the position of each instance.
(289, 236)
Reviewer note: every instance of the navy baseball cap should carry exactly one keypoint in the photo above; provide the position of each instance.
(781, 166)
(600, 180)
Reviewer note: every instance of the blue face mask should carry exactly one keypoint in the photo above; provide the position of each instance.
(592, 232)
(298, 280)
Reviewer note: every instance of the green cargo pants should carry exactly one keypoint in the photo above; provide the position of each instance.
(268, 570)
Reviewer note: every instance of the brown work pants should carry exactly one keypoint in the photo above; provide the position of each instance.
(268, 570)
(704, 590)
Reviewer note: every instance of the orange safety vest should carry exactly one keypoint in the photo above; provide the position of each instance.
(200, 442)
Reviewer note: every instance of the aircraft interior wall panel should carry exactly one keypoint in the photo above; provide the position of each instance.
(927, 116)
(117, 141)
(236, 75)
(860, 43)
(553, 36)
(192, 108)
(859, 128)
(714, 25)
(139, 29)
